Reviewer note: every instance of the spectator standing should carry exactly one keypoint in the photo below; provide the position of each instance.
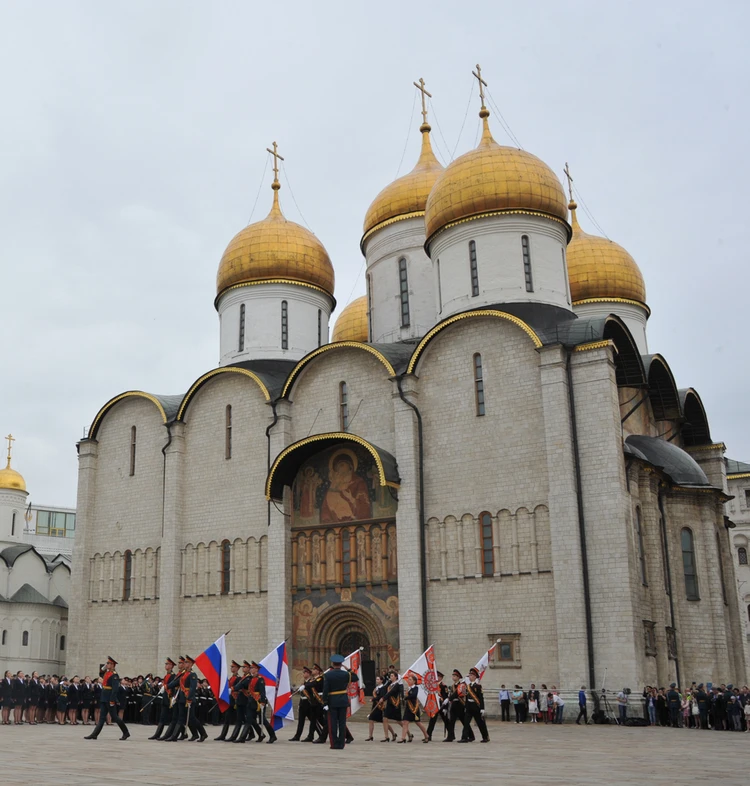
(622, 705)
(516, 697)
(543, 707)
(651, 695)
(662, 712)
(582, 710)
(559, 705)
(734, 713)
(747, 716)
(533, 707)
(674, 702)
(504, 698)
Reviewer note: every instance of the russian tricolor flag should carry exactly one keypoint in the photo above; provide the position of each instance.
(213, 664)
(274, 669)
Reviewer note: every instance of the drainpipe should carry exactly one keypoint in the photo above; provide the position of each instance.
(422, 537)
(164, 476)
(581, 524)
(268, 452)
(665, 546)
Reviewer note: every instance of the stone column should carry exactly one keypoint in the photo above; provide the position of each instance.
(78, 658)
(570, 614)
(410, 587)
(280, 543)
(170, 556)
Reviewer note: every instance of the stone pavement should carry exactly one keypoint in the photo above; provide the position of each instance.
(526, 755)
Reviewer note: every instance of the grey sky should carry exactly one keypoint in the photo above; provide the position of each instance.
(132, 145)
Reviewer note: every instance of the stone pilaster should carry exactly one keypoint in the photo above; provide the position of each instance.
(410, 586)
(78, 650)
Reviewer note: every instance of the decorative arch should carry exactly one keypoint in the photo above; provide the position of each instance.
(628, 363)
(292, 378)
(662, 390)
(470, 315)
(344, 619)
(201, 381)
(116, 400)
(695, 430)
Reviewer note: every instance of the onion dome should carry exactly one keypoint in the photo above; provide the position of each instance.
(275, 250)
(601, 269)
(493, 179)
(9, 478)
(352, 322)
(407, 196)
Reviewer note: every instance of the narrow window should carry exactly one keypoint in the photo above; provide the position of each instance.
(479, 384)
(474, 269)
(485, 532)
(369, 306)
(747, 497)
(403, 283)
(344, 406)
(748, 619)
(505, 651)
(320, 328)
(688, 564)
(742, 555)
(242, 328)
(127, 575)
(25, 639)
(5, 637)
(62, 643)
(721, 567)
(226, 562)
(228, 432)
(527, 262)
(284, 325)
(132, 451)
(346, 558)
(641, 553)
(13, 524)
(439, 288)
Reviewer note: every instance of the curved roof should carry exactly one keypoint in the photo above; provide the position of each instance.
(694, 429)
(11, 553)
(167, 407)
(662, 390)
(677, 463)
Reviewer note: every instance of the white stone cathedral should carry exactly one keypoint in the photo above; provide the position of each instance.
(485, 450)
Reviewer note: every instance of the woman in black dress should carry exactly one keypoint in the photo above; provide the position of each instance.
(18, 696)
(62, 700)
(5, 692)
(376, 713)
(392, 705)
(73, 700)
(412, 711)
(85, 695)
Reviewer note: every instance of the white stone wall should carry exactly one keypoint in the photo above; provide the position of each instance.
(738, 509)
(45, 624)
(634, 316)
(12, 503)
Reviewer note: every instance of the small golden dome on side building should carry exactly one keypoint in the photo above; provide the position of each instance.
(9, 478)
(352, 322)
(599, 268)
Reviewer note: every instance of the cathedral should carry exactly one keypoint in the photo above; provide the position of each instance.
(487, 449)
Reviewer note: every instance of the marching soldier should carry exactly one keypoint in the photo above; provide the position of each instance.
(457, 697)
(247, 718)
(336, 683)
(231, 710)
(147, 699)
(316, 699)
(108, 701)
(474, 708)
(258, 695)
(165, 710)
(305, 710)
(443, 713)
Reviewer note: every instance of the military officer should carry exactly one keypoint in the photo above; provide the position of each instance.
(336, 683)
(444, 712)
(457, 698)
(258, 696)
(305, 707)
(108, 700)
(247, 716)
(319, 714)
(231, 710)
(474, 708)
(165, 710)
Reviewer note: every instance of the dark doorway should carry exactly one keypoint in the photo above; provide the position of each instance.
(353, 641)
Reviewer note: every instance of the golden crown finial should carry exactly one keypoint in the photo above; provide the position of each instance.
(10, 439)
(276, 158)
(420, 86)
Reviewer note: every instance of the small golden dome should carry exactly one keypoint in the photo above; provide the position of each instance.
(599, 268)
(274, 249)
(352, 322)
(493, 178)
(408, 195)
(10, 479)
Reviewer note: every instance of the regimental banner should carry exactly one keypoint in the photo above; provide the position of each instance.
(425, 670)
(356, 690)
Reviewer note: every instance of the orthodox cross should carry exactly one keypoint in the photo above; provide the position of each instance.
(482, 83)
(570, 180)
(276, 159)
(11, 439)
(420, 86)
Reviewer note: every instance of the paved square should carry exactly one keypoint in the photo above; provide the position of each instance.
(525, 755)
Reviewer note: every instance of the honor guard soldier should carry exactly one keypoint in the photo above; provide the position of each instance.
(336, 684)
(457, 698)
(474, 708)
(316, 689)
(247, 721)
(186, 713)
(231, 710)
(305, 710)
(108, 701)
(444, 712)
(165, 711)
(258, 695)
(173, 686)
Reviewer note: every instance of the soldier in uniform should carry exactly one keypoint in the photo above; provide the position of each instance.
(231, 710)
(247, 721)
(165, 695)
(258, 696)
(305, 710)
(674, 702)
(457, 698)
(474, 708)
(146, 699)
(336, 683)
(186, 713)
(444, 712)
(107, 700)
(392, 709)
(316, 699)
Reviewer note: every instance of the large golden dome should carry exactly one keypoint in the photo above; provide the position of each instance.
(275, 249)
(352, 322)
(599, 268)
(493, 178)
(407, 196)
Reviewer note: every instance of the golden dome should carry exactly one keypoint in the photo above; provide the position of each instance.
(274, 249)
(406, 196)
(599, 268)
(9, 478)
(352, 322)
(493, 178)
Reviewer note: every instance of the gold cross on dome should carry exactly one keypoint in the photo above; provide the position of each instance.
(570, 180)
(276, 159)
(482, 83)
(11, 439)
(420, 86)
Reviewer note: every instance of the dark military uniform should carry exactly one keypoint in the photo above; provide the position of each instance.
(247, 721)
(443, 713)
(336, 683)
(257, 705)
(305, 711)
(457, 699)
(108, 704)
(231, 711)
(674, 702)
(164, 703)
(474, 710)
(186, 713)
(317, 704)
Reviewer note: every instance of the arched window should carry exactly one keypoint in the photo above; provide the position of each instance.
(403, 283)
(241, 342)
(284, 325)
(720, 558)
(226, 563)
(320, 328)
(62, 643)
(688, 564)
(473, 268)
(132, 451)
(488, 555)
(526, 250)
(5, 637)
(742, 555)
(479, 384)
(228, 432)
(344, 406)
(25, 639)
(127, 575)
(639, 545)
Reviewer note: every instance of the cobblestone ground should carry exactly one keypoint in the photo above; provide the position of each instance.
(566, 754)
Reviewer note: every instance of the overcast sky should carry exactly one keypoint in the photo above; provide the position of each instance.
(132, 148)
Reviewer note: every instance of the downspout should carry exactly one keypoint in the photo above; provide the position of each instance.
(581, 525)
(268, 459)
(164, 476)
(422, 537)
(665, 546)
